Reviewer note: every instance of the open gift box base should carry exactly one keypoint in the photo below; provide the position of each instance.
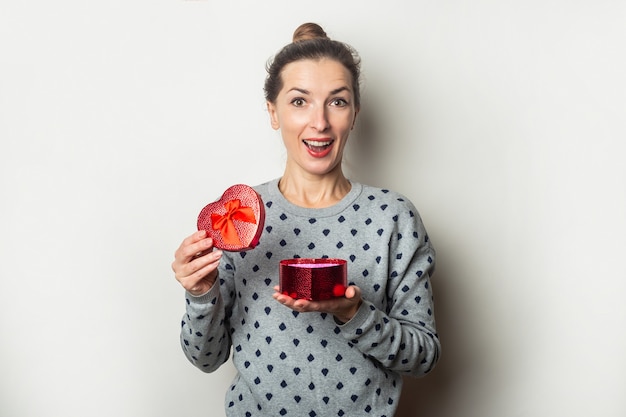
(313, 278)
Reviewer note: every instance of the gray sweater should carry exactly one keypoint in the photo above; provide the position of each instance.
(308, 364)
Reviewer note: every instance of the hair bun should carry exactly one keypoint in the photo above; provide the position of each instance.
(308, 31)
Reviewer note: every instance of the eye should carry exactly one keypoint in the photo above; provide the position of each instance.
(298, 102)
(339, 102)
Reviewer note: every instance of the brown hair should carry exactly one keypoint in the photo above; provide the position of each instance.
(311, 42)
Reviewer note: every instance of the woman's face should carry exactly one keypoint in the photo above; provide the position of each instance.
(315, 112)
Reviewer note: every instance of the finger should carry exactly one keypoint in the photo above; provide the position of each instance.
(192, 280)
(193, 238)
(306, 305)
(181, 252)
(189, 265)
(190, 251)
(352, 292)
(200, 262)
(282, 298)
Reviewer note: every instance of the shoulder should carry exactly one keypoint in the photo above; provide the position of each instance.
(393, 207)
(263, 186)
(386, 198)
(268, 188)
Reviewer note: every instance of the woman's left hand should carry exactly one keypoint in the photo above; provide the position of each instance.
(343, 308)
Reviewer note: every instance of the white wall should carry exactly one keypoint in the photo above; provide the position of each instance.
(503, 121)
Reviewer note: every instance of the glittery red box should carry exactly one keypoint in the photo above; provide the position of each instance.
(235, 221)
(313, 279)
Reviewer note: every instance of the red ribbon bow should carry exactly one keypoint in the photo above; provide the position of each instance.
(224, 223)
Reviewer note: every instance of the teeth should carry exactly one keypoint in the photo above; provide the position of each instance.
(317, 143)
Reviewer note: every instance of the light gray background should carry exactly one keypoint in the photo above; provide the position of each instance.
(502, 120)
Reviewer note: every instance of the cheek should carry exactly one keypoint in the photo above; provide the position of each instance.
(343, 125)
(293, 122)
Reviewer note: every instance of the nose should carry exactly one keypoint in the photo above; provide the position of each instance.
(319, 118)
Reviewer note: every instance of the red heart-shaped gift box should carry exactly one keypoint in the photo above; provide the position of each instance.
(235, 221)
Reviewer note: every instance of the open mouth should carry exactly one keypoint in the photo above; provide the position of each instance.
(318, 146)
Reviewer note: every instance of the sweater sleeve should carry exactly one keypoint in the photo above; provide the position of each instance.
(402, 335)
(204, 334)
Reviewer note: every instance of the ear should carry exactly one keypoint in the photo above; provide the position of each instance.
(271, 109)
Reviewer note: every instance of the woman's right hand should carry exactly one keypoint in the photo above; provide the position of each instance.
(195, 263)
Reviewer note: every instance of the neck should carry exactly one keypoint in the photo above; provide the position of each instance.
(314, 191)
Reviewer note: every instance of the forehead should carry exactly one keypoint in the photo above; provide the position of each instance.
(323, 74)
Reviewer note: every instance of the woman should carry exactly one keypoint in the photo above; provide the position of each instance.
(344, 356)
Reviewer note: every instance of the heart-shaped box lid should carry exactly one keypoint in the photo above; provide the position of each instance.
(234, 221)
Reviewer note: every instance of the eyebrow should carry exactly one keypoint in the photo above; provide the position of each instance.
(333, 92)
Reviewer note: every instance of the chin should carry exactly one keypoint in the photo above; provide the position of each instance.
(326, 170)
